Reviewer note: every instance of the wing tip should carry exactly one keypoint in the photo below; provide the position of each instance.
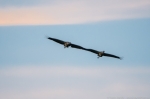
(47, 37)
(121, 58)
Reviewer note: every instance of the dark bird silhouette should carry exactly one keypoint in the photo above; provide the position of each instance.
(66, 44)
(102, 53)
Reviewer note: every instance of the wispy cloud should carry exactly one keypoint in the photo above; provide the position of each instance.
(50, 71)
(72, 12)
(65, 82)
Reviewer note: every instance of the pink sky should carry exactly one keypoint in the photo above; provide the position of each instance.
(74, 12)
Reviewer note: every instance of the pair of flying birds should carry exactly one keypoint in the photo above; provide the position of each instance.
(99, 53)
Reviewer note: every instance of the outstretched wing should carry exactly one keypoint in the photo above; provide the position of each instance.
(56, 40)
(77, 46)
(110, 55)
(93, 51)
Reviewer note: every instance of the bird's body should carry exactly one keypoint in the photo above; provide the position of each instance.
(99, 53)
(66, 44)
(102, 53)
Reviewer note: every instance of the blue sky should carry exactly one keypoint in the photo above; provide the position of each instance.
(128, 39)
(33, 67)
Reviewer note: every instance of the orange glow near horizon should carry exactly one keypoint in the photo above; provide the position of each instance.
(72, 13)
(25, 17)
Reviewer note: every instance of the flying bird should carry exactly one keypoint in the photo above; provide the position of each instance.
(99, 53)
(102, 53)
(66, 44)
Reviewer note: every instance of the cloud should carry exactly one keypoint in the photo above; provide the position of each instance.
(71, 82)
(62, 71)
(74, 12)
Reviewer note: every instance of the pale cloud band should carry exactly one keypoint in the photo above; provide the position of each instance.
(71, 82)
(73, 71)
(73, 12)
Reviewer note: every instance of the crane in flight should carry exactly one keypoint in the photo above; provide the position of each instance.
(102, 53)
(68, 44)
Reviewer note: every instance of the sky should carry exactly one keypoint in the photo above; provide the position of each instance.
(33, 67)
(32, 12)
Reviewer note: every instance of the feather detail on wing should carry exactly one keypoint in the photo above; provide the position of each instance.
(93, 51)
(77, 46)
(110, 55)
(56, 40)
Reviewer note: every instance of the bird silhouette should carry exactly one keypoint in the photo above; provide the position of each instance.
(102, 53)
(66, 44)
